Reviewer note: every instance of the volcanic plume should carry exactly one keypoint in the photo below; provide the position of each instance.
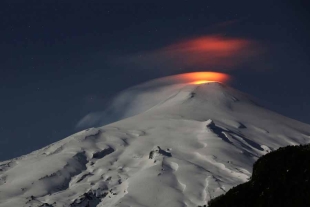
(209, 52)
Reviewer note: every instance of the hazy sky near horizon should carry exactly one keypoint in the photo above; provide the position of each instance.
(60, 60)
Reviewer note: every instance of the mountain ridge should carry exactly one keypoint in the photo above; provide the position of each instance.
(203, 140)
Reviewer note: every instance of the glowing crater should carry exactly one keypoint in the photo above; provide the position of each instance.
(203, 77)
(201, 82)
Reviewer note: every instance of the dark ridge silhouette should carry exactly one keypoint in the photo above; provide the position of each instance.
(280, 178)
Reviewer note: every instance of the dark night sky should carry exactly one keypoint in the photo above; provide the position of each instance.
(59, 59)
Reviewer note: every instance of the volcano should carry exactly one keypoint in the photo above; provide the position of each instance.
(181, 146)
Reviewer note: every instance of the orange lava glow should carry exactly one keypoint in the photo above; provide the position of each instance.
(201, 82)
(203, 77)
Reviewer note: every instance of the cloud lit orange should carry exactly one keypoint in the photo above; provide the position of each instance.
(210, 51)
(215, 44)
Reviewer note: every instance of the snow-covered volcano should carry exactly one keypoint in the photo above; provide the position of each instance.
(192, 143)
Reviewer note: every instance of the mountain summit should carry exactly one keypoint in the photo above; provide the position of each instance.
(181, 146)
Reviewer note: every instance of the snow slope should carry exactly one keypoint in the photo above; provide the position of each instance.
(190, 145)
